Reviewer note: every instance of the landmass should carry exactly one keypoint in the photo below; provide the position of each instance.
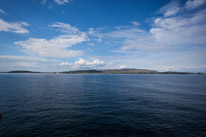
(109, 71)
(114, 71)
(22, 71)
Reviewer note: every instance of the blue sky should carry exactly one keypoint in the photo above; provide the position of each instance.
(61, 35)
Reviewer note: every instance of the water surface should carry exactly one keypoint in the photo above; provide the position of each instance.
(103, 105)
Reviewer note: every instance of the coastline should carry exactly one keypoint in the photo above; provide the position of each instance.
(109, 71)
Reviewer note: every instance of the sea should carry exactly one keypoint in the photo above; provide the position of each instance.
(102, 105)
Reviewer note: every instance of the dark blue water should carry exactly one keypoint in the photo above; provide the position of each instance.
(102, 105)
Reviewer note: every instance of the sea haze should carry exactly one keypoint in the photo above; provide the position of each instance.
(102, 105)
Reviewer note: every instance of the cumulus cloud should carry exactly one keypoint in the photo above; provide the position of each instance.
(123, 67)
(81, 63)
(192, 4)
(16, 27)
(62, 2)
(56, 47)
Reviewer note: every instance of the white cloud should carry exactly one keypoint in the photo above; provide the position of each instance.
(91, 31)
(135, 23)
(65, 64)
(96, 32)
(81, 63)
(56, 47)
(2, 11)
(123, 67)
(62, 2)
(177, 27)
(65, 28)
(190, 29)
(173, 8)
(133, 39)
(16, 27)
(192, 4)
(170, 9)
(91, 44)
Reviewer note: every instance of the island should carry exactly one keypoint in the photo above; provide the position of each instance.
(109, 71)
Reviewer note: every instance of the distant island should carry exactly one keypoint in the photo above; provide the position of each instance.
(22, 71)
(109, 71)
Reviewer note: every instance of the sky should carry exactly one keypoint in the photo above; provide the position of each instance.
(63, 35)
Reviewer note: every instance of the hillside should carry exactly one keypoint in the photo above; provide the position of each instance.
(108, 71)
(114, 71)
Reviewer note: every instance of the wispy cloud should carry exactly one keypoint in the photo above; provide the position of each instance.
(130, 38)
(62, 2)
(173, 8)
(65, 28)
(135, 23)
(15, 27)
(177, 27)
(43, 2)
(193, 4)
(187, 28)
(2, 11)
(170, 9)
(27, 63)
